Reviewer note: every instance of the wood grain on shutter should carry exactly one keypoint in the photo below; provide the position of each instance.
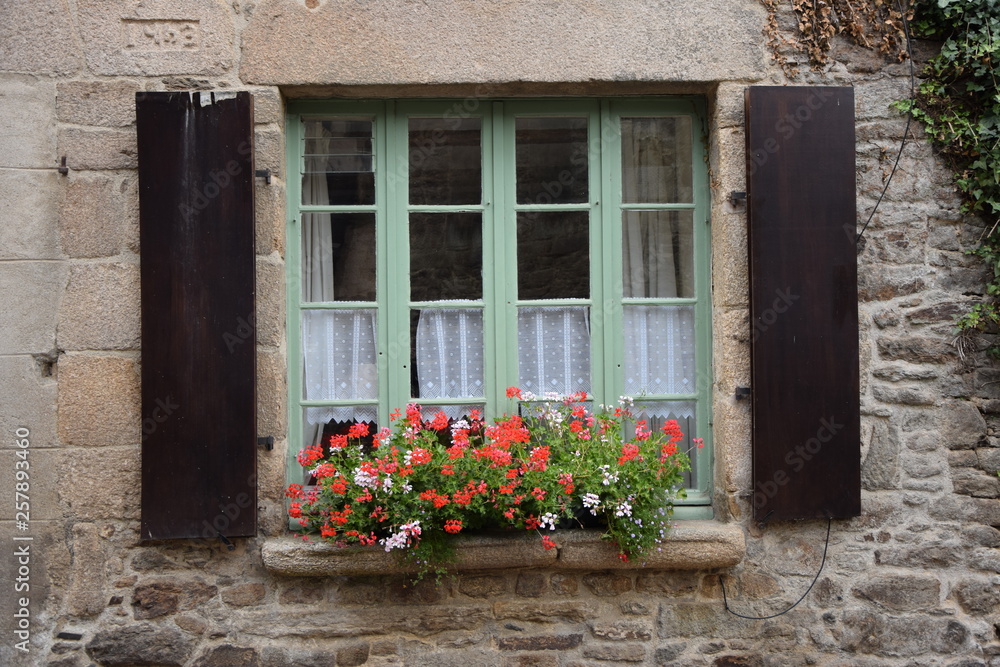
(196, 210)
(803, 302)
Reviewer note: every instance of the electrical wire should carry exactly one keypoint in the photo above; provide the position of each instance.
(725, 600)
(909, 117)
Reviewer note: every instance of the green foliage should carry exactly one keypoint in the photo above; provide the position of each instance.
(959, 105)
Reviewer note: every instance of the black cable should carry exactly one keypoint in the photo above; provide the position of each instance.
(909, 117)
(725, 600)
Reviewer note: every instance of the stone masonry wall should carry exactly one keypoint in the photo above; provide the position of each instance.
(915, 580)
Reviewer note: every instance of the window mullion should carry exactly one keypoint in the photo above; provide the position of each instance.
(293, 290)
(611, 189)
(394, 340)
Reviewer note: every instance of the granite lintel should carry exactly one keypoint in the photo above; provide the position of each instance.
(692, 545)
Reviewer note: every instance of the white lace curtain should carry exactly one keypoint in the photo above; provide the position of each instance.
(450, 360)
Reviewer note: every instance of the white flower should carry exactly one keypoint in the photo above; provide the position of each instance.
(364, 479)
(548, 519)
(623, 509)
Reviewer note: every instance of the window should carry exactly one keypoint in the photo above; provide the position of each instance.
(440, 252)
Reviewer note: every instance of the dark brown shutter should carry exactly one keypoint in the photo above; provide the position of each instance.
(196, 208)
(803, 302)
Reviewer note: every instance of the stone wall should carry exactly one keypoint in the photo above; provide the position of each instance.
(914, 580)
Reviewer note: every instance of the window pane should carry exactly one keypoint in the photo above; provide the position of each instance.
(447, 358)
(454, 412)
(553, 349)
(553, 255)
(658, 254)
(337, 165)
(446, 256)
(445, 161)
(656, 414)
(338, 257)
(656, 160)
(339, 355)
(551, 157)
(659, 350)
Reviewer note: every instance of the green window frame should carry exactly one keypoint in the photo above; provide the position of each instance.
(605, 207)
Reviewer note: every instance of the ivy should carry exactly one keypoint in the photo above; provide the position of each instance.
(958, 102)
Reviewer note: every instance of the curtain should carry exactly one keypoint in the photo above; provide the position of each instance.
(450, 362)
(553, 344)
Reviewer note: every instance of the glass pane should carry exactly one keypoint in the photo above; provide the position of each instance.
(445, 161)
(447, 357)
(553, 255)
(659, 350)
(553, 349)
(656, 160)
(656, 415)
(658, 254)
(337, 165)
(551, 157)
(338, 257)
(446, 256)
(339, 355)
(454, 412)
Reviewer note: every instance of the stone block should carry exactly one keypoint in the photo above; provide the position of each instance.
(729, 105)
(158, 37)
(267, 106)
(85, 597)
(901, 593)
(38, 36)
(615, 652)
(93, 215)
(244, 595)
(483, 586)
(270, 302)
(340, 42)
(99, 484)
(28, 210)
(140, 644)
(31, 292)
(542, 611)
(962, 425)
(269, 150)
(880, 469)
(915, 349)
(890, 282)
(228, 655)
(540, 643)
(98, 148)
(41, 477)
(607, 585)
(102, 103)
(730, 280)
(269, 204)
(271, 393)
(99, 401)
(622, 631)
(163, 598)
(100, 310)
(27, 123)
(28, 397)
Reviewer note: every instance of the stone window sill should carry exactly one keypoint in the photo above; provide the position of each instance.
(692, 545)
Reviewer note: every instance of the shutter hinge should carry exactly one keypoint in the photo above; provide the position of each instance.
(267, 442)
(736, 198)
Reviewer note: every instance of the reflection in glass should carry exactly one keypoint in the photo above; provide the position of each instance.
(656, 160)
(553, 255)
(447, 360)
(446, 256)
(656, 414)
(553, 349)
(658, 254)
(551, 160)
(337, 166)
(338, 257)
(445, 158)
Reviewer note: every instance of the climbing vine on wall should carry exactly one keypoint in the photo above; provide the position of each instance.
(958, 102)
(874, 24)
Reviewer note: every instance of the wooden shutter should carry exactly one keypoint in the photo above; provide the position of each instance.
(803, 302)
(198, 339)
